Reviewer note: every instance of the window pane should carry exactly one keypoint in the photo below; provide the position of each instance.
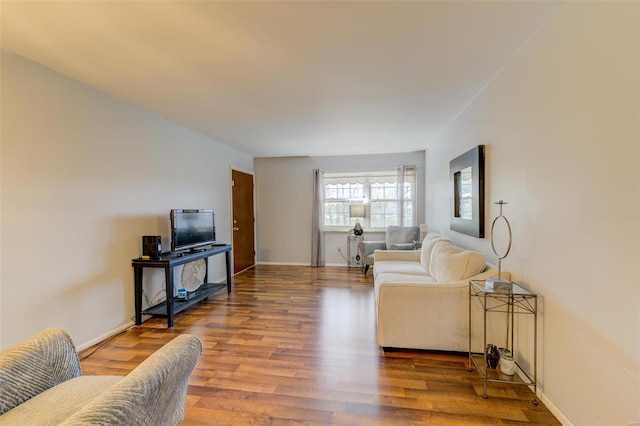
(377, 192)
(384, 191)
(338, 196)
(391, 192)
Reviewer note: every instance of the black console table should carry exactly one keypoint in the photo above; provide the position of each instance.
(168, 261)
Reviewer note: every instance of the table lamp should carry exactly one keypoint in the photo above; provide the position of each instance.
(357, 211)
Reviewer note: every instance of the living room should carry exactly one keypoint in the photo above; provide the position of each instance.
(85, 174)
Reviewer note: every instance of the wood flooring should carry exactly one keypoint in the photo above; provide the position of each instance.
(297, 345)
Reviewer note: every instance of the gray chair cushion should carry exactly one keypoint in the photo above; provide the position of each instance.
(401, 235)
(58, 403)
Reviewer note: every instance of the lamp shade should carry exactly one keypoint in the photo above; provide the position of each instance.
(356, 210)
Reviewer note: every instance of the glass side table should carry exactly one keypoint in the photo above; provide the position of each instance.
(353, 253)
(515, 301)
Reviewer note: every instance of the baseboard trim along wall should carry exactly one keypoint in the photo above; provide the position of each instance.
(303, 264)
(554, 410)
(283, 263)
(105, 336)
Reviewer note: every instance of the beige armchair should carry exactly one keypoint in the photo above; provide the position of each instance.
(396, 238)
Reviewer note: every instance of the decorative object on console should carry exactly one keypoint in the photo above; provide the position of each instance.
(492, 355)
(152, 246)
(357, 211)
(467, 179)
(193, 274)
(507, 365)
(504, 352)
(182, 293)
(500, 284)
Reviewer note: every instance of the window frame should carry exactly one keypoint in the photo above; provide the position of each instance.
(361, 186)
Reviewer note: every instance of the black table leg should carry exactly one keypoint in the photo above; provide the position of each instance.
(227, 258)
(168, 277)
(137, 274)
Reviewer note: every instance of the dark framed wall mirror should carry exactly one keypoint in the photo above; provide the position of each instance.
(467, 185)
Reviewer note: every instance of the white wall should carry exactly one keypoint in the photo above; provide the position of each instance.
(284, 188)
(561, 126)
(83, 177)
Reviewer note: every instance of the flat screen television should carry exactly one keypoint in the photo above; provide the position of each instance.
(192, 228)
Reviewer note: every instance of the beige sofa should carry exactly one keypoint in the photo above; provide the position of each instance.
(422, 297)
(41, 383)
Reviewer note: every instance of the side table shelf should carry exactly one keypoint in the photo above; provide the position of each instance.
(514, 302)
(179, 305)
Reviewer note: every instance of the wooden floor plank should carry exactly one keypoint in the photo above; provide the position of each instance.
(297, 345)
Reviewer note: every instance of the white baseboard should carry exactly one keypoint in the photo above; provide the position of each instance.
(545, 400)
(299, 264)
(554, 410)
(104, 337)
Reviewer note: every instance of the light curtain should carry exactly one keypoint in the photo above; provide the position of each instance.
(407, 216)
(317, 220)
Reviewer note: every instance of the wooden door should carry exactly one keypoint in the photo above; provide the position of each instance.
(243, 225)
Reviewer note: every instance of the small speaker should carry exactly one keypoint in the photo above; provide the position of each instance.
(152, 246)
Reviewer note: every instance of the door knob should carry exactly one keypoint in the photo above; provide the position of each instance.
(236, 229)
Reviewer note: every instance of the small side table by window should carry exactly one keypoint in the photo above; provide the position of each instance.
(353, 254)
(517, 301)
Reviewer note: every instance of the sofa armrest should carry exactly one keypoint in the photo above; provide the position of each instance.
(153, 393)
(490, 271)
(35, 365)
(368, 247)
(404, 255)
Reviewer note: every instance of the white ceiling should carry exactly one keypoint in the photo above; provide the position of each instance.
(283, 78)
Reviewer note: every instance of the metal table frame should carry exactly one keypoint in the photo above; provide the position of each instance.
(514, 302)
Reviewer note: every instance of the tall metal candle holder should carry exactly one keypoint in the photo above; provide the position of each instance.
(499, 283)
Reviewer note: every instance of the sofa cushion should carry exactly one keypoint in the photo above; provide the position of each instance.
(451, 263)
(399, 267)
(427, 248)
(55, 405)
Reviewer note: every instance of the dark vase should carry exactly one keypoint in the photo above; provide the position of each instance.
(357, 230)
(493, 356)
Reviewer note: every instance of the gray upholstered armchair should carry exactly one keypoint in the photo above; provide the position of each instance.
(41, 383)
(396, 238)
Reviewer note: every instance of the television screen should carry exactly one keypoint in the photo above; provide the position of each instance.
(192, 228)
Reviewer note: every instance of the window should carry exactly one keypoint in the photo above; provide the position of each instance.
(389, 197)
